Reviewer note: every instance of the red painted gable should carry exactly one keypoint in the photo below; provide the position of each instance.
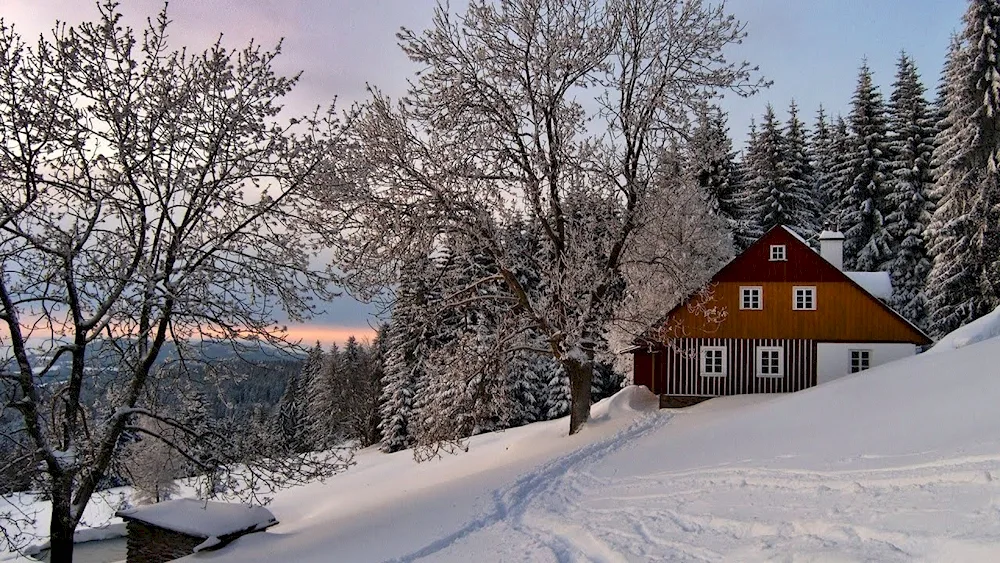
(802, 264)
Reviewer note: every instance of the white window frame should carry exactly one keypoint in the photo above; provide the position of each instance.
(778, 253)
(703, 356)
(811, 289)
(864, 358)
(760, 297)
(760, 361)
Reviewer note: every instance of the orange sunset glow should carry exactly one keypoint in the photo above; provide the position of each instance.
(328, 334)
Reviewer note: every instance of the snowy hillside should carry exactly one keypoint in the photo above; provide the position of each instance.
(983, 328)
(899, 463)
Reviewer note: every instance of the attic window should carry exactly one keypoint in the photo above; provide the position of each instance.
(778, 253)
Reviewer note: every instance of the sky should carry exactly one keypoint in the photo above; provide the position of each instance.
(810, 49)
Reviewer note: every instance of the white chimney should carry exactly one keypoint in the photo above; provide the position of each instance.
(831, 248)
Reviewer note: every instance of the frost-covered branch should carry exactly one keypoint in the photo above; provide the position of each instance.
(149, 200)
(552, 117)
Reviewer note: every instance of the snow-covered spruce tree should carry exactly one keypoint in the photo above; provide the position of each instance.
(404, 365)
(804, 210)
(778, 198)
(291, 420)
(964, 234)
(121, 246)
(323, 418)
(557, 401)
(377, 359)
(472, 383)
(749, 229)
(491, 132)
(607, 381)
(710, 158)
(838, 177)
(523, 388)
(948, 73)
(821, 158)
(358, 392)
(867, 244)
(911, 147)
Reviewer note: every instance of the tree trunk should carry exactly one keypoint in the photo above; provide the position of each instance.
(581, 375)
(61, 527)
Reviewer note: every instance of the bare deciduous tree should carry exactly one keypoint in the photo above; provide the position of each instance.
(147, 196)
(550, 112)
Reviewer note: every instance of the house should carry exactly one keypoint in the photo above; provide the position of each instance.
(780, 317)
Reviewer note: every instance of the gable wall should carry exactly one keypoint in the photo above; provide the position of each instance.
(803, 263)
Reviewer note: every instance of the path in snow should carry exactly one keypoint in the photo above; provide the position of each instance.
(526, 532)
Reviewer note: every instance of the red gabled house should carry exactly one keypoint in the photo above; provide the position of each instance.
(780, 317)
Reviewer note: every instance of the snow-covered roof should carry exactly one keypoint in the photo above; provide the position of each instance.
(878, 284)
(202, 519)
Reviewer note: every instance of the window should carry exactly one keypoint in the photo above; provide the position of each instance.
(713, 361)
(804, 298)
(770, 361)
(750, 297)
(860, 360)
(778, 253)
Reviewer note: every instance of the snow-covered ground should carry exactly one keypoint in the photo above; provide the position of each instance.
(899, 463)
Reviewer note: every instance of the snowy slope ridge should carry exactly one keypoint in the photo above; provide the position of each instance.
(983, 328)
(899, 463)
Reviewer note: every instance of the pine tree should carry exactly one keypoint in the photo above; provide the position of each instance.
(964, 234)
(839, 176)
(712, 161)
(557, 398)
(778, 197)
(821, 160)
(404, 366)
(801, 175)
(749, 229)
(607, 381)
(291, 420)
(911, 146)
(766, 178)
(359, 393)
(321, 411)
(522, 389)
(378, 360)
(862, 217)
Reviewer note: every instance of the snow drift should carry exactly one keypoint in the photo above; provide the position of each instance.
(983, 328)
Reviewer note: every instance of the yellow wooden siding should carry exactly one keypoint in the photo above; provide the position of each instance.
(843, 313)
